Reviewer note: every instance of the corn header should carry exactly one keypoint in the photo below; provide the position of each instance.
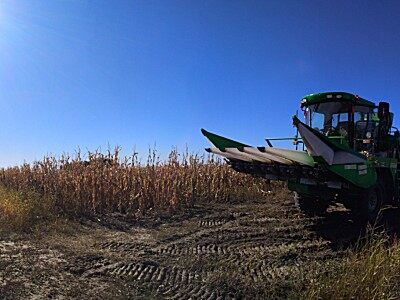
(349, 153)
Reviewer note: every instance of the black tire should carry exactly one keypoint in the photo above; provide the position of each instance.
(310, 206)
(368, 205)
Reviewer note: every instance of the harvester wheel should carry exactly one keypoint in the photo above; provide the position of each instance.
(369, 204)
(375, 200)
(311, 206)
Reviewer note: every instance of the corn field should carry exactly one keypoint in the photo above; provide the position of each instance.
(103, 183)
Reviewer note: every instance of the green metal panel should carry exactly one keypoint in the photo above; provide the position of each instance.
(328, 141)
(222, 142)
(361, 175)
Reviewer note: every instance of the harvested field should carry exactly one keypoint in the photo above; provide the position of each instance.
(189, 227)
(258, 249)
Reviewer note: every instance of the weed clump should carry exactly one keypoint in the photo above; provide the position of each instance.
(22, 210)
(371, 272)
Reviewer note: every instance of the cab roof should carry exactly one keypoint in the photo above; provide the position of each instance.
(335, 97)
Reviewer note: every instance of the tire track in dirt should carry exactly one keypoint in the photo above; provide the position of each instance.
(212, 223)
(262, 246)
(242, 251)
(265, 273)
(168, 282)
(88, 265)
(221, 235)
(193, 292)
(235, 234)
(118, 246)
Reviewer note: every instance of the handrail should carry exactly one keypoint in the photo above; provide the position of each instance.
(284, 139)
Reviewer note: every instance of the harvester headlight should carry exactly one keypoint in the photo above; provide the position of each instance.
(368, 135)
(329, 96)
(339, 96)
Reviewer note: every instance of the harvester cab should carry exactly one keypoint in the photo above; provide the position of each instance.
(350, 155)
(352, 121)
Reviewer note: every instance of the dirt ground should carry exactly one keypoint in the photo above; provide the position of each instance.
(224, 251)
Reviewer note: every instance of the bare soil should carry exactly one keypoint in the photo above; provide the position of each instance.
(261, 249)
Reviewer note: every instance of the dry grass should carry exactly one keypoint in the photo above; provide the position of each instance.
(104, 183)
(22, 210)
(371, 272)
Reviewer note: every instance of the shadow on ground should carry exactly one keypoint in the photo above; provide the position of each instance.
(344, 230)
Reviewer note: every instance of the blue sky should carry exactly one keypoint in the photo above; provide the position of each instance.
(138, 73)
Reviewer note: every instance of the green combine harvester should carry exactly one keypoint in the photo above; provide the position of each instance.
(349, 154)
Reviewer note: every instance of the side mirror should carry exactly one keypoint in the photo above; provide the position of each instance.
(384, 112)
